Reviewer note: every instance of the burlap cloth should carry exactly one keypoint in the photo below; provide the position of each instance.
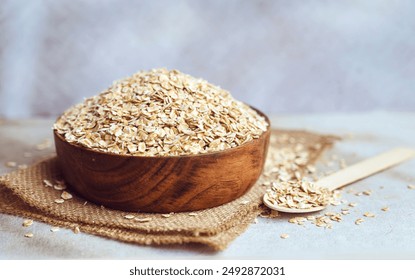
(23, 193)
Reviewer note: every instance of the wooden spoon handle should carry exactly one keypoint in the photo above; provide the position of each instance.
(366, 168)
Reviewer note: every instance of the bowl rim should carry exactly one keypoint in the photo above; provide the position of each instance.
(168, 157)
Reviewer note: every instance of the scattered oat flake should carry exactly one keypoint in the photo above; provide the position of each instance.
(47, 183)
(129, 217)
(11, 164)
(142, 220)
(59, 200)
(336, 217)
(359, 221)
(298, 220)
(284, 236)
(76, 230)
(369, 215)
(54, 229)
(352, 204)
(27, 223)
(273, 214)
(65, 195)
(292, 220)
(59, 187)
(369, 192)
(28, 235)
(411, 187)
(385, 209)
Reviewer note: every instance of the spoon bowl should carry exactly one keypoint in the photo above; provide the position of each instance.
(349, 175)
(268, 202)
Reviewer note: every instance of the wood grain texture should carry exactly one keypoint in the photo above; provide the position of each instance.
(162, 184)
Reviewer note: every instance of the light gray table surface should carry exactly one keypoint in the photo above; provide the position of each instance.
(390, 235)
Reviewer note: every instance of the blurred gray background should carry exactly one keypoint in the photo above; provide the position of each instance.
(280, 56)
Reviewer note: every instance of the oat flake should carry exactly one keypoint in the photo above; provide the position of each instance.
(54, 229)
(27, 223)
(65, 195)
(284, 236)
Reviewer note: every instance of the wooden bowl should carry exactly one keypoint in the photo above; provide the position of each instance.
(162, 184)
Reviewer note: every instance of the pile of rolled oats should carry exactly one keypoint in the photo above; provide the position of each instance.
(298, 195)
(161, 113)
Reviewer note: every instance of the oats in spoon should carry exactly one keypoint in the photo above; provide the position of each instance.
(298, 195)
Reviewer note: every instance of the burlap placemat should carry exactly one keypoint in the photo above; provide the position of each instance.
(24, 193)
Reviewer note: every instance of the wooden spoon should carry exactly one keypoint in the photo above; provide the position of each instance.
(351, 174)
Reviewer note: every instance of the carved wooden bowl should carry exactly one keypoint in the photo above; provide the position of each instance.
(162, 184)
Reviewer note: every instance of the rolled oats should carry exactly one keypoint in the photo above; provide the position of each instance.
(368, 192)
(142, 220)
(27, 223)
(284, 236)
(369, 215)
(359, 221)
(298, 195)
(47, 183)
(54, 229)
(65, 195)
(59, 187)
(163, 113)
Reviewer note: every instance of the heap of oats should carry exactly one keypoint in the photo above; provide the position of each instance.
(160, 113)
(298, 195)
